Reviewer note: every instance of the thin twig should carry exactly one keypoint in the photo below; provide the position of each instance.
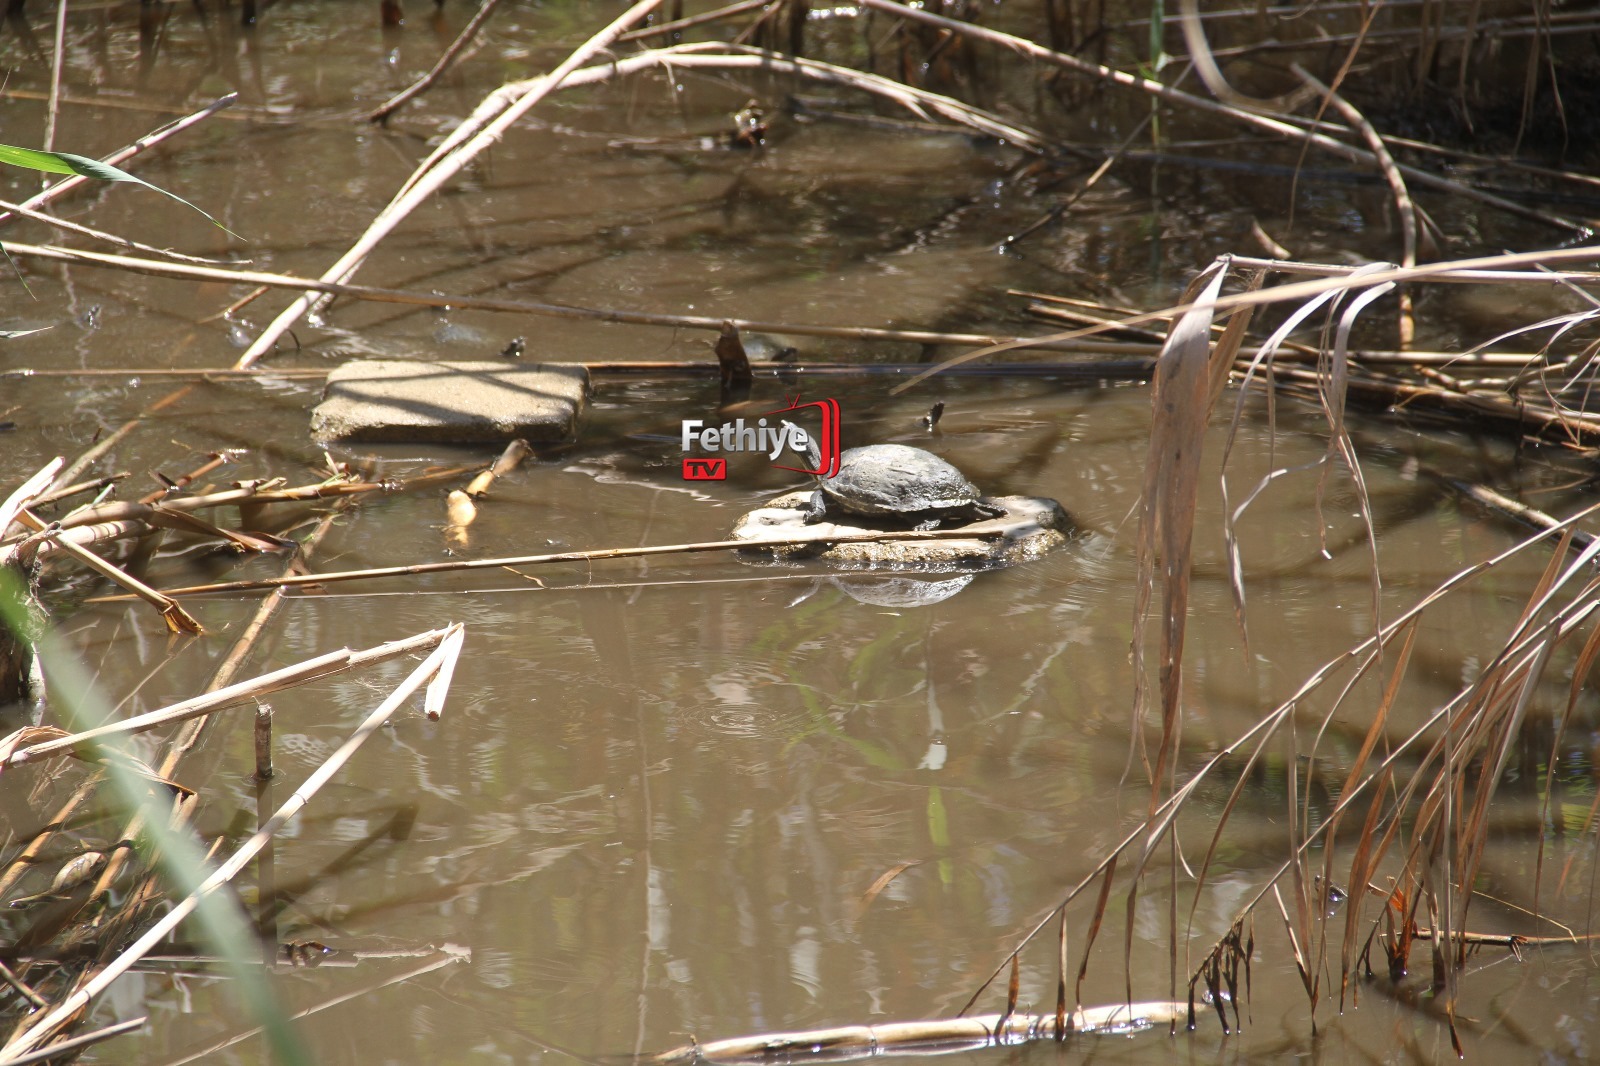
(79, 1042)
(454, 565)
(101, 235)
(421, 85)
(662, 29)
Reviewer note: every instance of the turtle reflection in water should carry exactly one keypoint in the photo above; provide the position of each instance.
(899, 483)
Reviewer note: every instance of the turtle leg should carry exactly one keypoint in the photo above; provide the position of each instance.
(929, 523)
(816, 507)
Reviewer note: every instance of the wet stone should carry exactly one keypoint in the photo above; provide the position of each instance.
(382, 400)
(1030, 527)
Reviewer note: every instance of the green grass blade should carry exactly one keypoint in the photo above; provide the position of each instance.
(83, 166)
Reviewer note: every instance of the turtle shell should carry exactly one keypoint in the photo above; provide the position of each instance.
(894, 479)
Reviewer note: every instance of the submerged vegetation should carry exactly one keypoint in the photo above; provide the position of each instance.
(1387, 796)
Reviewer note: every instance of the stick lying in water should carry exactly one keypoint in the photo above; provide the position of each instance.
(566, 557)
(942, 1035)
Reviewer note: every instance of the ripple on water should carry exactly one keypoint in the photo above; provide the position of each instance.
(749, 703)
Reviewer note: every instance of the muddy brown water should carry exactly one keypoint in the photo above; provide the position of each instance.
(662, 789)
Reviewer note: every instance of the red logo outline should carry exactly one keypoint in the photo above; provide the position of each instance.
(828, 446)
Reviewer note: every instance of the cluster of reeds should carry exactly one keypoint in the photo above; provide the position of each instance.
(101, 897)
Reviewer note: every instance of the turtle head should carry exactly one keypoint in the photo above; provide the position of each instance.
(813, 457)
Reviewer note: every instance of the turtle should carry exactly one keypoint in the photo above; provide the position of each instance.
(900, 483)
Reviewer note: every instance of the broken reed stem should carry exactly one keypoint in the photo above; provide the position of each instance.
(509, 460)
(264, 491)
(566, 557)
(82, 997)
(20, 987)
(314, 669)
(1138, 365)
(58, 59)
(177, 619)
(112, 439)
(171, 486)
(263, 741)
(945, 1034)
(1488, 498)
(56, 495)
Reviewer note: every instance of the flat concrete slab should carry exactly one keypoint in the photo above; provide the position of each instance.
(386, 400)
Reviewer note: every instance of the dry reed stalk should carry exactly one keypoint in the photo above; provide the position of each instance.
(171, 485)
(9, 208)
(66, 491)
(26, 493)
(1404, 206)
(17, 985)
(122, 517)
(382, 112)
(1480, 720)
(1516, 510)
(112, 439)
(440, 167)
(1154, 828)
(592, 555)
(66, 1010)
(1176, 96)
(231, 695)
(1139, 363)
(509, 460)
(177, 619)
(83, 1040)
(946, 1034)
(1484, 408)
(121, 155)
(1362, 278)
(58, 57)
(479, 303)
